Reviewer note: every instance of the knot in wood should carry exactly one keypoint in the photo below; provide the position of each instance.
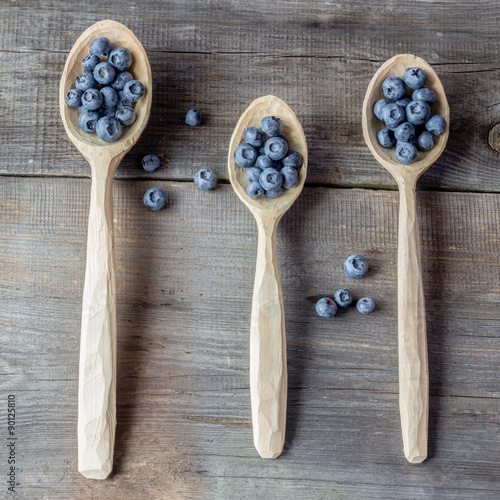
(494, 137)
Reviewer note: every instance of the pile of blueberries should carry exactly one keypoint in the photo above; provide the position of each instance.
(409, 122)
(105, 92)
(270, 165)
(355, 267)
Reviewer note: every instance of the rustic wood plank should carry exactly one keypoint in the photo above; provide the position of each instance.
(184, 281)
(222, 55)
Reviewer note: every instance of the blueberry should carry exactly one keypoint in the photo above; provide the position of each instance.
(404, 102)
(418, 112)
(90, 61)
(81, 108)
(125, 115)
(193, 117)
(108, 129)
(88, 121)
(255, 190)
(254, 136)
(426, 95)
(356, 267)
(85, 81)
(393, 88)
(415, 78)
(270, 179)
(253, 173)
(276, 148)
(405, 132)
(150, 163)
(109, 96)
(123, 101)
(292, 159)
(121, 79)
(425, 141)
(120, 58)
(74, 98)
(386, 138)
(326, 308)
(290, 177)
(108, 111)
(245, 155)
(155, 199)
(134, 90)
(100, 46)
(205, 179)
(393, 115)
(365, 305)
(92, 99)
(379, 105)
(343, 298)
(271, 125)
(406, 152)
(104, 73)
(436, 125)
(274, 193)
(264, 161)
(262, 151)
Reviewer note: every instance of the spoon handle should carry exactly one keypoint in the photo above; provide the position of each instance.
(268, 376)
(97, 377)
(413, 367)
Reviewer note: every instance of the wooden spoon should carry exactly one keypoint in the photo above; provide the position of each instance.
(268, 374)
(97, 381)
(413, 367)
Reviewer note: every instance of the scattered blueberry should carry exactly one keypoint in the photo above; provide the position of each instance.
(270, 179)
(290, 177)
(343, 298)
(379, 105)
(90, 61)
(276, 148)
(436, 125)
(108, 129)
(205, 179)
(254, 136)
(425, 141)
(110, 97)
(292, 159)
(326, 307)
(356, 267)
(104, 73)
(88, 121)
(404, 102)
(120, 58)
(426, 95)
(193, 117)
(74, 98)
(365, 305)
(150, 163)
(393, 115)
(134, 90)
(92, 99)
(393, 88)
(125, 115)
(418, 112)
(121, 79)
(245, 155)
(406, 152)
(155, 199)
(405, 132)
(100, 46)
(264, 161)
(415, 78)
(253, 173)
(274, 193)
(85, 81)
(386, 138)
(255, 190)
(271, 125)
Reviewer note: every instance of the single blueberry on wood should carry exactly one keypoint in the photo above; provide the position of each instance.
(264, 161)
(150, 163)
(193, 117)
(205, 179)
(155, 199)
(326, 307)
(365, 305)
(292, 159)
(355, 267)
(100, 46)
(85, 81)
(405, 132)
(109, 96)
(343, 297)
(134, 90)
(245, 155)
(90, 61)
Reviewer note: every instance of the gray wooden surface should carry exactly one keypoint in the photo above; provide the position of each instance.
(185, 275)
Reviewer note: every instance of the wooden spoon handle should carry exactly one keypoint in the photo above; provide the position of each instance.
(97, 382)
(268, 376)
(413, 367)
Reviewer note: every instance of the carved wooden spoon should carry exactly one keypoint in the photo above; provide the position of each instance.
(97, 380)
(268, 374)
(413, 367)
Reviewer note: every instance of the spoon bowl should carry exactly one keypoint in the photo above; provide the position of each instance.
(412, 336)
(268, 375)
(97, 373)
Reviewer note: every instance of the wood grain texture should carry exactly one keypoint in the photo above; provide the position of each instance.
(184, 282)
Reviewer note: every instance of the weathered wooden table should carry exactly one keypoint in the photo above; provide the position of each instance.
(185, 275)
